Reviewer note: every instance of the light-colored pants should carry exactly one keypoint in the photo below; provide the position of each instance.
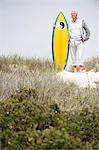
(76, 54)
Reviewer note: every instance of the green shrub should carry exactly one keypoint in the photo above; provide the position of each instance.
(28, 124)
(85, 125)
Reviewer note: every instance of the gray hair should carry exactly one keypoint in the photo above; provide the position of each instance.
(74, 11)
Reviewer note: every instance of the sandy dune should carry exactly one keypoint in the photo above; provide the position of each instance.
(85, 79)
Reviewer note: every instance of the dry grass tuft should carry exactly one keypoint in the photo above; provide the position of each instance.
(17, 73)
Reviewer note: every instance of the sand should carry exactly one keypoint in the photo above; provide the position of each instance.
(85, 79)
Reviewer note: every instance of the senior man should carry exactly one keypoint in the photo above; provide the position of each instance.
(78, 34)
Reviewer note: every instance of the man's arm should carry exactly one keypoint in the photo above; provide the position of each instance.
(86, 29)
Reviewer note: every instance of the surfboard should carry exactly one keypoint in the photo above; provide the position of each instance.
(60, 48)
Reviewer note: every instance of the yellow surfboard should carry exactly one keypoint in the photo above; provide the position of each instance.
(60, 49)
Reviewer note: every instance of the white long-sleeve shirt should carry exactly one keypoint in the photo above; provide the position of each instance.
(75, 32)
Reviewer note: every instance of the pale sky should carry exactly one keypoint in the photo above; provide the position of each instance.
(26, 25)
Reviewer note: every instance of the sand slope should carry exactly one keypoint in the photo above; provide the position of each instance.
(85, 79)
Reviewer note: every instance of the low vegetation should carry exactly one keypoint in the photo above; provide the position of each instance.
(37, 111)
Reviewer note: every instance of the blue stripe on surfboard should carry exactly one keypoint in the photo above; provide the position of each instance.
(53, 46)
(67, 57)
(53, 39)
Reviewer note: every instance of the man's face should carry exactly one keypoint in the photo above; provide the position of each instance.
(74, 15)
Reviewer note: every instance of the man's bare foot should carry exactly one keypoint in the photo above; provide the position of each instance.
(81, 68)
(74, 68)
